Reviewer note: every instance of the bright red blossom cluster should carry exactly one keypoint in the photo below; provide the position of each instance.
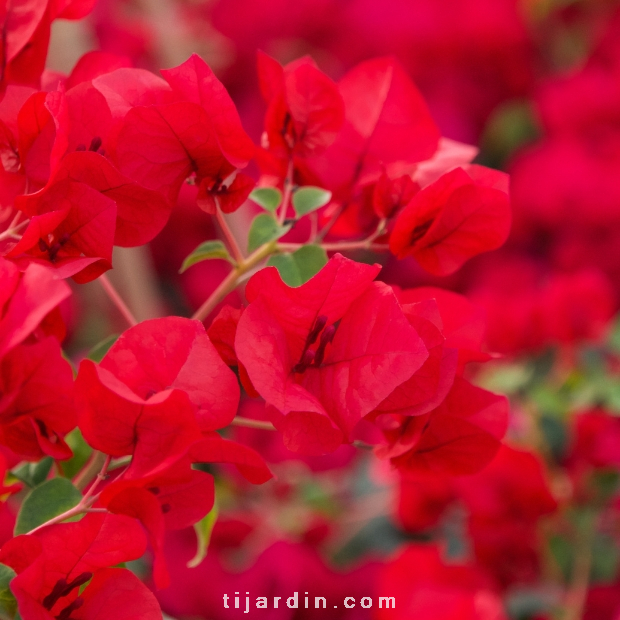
(98, 158)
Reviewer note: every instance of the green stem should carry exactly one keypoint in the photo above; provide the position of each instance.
(229, 283)
(288, 192)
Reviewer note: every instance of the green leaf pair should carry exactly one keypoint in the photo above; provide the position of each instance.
(298, 267)
(305, 199)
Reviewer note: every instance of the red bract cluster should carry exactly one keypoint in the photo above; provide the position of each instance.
(340, 350)
(110, 450)
(527, 310)
(36, 409)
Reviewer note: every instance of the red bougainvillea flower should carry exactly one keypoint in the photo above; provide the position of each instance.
(54, 563)
(141, 213)
(305, 110)
(458, 216)
(460, 436)
(427, 387)
(282, 568)
(26, 33)
(175, 496)
(155, 368)
(157, 395)
(595, 440)
(222, 332)
(228, 194)
(388, 131)
(159, 146)
(71, 229)
(452, 329)
(325, 354)
(56, 136)
(505, 502)
(93, 64)
(426, 586)
(26, 299)
(463, 322)
(43, 128)
(390, 195)
(528, 309)
(36, 407)
(387, 125)
(173, 499)
(423, 498)
(5, 489)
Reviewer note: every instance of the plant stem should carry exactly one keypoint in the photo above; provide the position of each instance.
(96, 463)
(228, 234)
(249, 423)
(123, 461)
(12, 229)
(117, 300)
(577, 593)
(101, 475)
(99, 463)
(344, 246)
(288, 191)
(320, 235)
(340, 246)
(72, 512)
(230, 282)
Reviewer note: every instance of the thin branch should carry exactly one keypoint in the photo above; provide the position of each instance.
(323, 232)
(84, 478)
(12, 230)
(229, 283)
(123, 461)
(314, 226)
(15, 220)
(577, 593)
(288, 191)
(117, 300)
(228, 234)
(249, 423)
(85, 504)
(342, 246)
(101, 476)
(346, 246)
(72, 512)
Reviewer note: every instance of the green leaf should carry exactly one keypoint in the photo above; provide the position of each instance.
(207, 251)
(309, 198)
(204, 529)
(34, 474)
(269, 198)
(8, 604)
(97, 353)
(562, 552)
(604, 559)
(264, 229)
(297, 268)
(45, 502)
